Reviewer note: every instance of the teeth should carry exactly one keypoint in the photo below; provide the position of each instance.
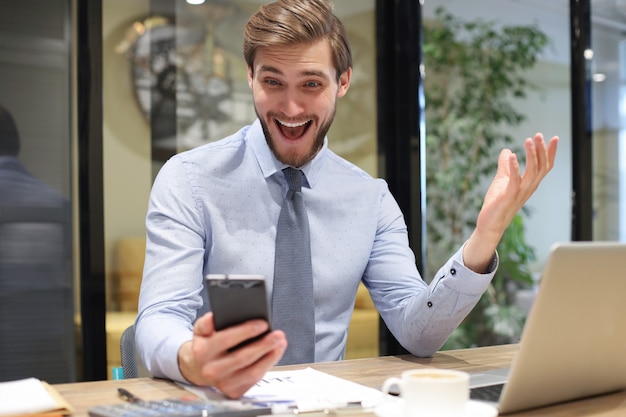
(293, 124)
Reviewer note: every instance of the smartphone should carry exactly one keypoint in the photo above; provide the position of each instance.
(237, 298)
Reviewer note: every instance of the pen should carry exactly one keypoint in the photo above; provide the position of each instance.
(127, 395)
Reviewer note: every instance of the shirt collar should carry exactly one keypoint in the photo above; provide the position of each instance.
(270, 165)
(11, 162)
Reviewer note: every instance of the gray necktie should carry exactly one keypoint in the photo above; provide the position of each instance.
(292, 296)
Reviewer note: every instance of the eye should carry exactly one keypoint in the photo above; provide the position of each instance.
(271, 82)
(312, 84)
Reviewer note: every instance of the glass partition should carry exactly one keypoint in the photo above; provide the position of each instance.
(37, 303)
(608, 77)
(175, 78)
(474, 108)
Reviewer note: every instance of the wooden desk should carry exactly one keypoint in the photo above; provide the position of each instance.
(370, 372)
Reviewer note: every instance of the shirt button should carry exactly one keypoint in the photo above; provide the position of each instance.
(453, 271)
(429, 304)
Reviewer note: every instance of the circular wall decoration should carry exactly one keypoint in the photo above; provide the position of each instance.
(189, 83)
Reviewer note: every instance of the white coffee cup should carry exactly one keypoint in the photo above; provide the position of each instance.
(432, 392)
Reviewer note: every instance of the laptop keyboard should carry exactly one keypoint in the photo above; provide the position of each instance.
(487, 393)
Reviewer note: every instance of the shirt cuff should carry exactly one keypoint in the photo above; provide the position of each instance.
(491, 269)
(162, 340)
(458, 277)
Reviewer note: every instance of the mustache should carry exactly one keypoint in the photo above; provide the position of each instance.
(300, 119)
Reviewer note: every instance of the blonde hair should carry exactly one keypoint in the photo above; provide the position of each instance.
(290, 22)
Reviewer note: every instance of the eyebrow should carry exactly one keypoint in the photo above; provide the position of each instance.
(307, 73)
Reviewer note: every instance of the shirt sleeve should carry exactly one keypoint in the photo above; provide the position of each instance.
(421, 316)
(452, 294)
(170, 296)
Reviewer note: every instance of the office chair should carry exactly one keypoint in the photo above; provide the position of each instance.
(131, 363)
(36, 281)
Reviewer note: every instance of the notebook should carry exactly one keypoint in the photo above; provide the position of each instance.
(573, 345)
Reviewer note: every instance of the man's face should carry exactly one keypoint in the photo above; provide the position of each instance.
(295, 91)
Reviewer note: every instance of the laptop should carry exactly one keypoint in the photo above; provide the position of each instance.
(573, 344)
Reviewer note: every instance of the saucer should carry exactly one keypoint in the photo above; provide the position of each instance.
(472, 409)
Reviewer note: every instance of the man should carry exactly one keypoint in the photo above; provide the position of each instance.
(35, 279)
(214, 209)
(18, 187)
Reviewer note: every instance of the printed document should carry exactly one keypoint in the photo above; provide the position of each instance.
(304, 389)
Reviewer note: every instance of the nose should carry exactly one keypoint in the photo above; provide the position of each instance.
(292, 103)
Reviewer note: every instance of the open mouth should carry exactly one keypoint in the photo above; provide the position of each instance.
(293, 130)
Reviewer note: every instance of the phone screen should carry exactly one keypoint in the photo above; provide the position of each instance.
(235, 299)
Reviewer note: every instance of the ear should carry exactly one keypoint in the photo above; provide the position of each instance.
(344, 83)
(250, 76)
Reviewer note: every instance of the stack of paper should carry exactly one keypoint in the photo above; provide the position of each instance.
(303, 390)
(31, 397)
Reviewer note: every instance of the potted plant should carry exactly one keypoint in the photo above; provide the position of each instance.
(475, 71)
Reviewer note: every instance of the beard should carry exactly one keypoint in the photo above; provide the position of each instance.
(296, 159)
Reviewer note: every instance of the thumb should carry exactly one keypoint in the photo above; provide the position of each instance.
(204, 326)
(504, 162)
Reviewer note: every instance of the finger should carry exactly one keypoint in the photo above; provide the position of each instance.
(278, 341)
(250, 354)
(515, 179)
(504, 163)
(235, 387)
(241, 379)
(267, 350)
(552, 147)
(542, 154)
(234, 335)
(532, 162)
(236, 372)
(204, 325)
(217, 348)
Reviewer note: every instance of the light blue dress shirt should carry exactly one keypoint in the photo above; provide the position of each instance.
(214, 209)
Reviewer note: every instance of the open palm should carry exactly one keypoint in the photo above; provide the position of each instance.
(506, 195)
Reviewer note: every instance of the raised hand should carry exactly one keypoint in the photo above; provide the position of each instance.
(506, 195)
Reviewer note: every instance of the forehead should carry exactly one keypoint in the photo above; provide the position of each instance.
(296, 60)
